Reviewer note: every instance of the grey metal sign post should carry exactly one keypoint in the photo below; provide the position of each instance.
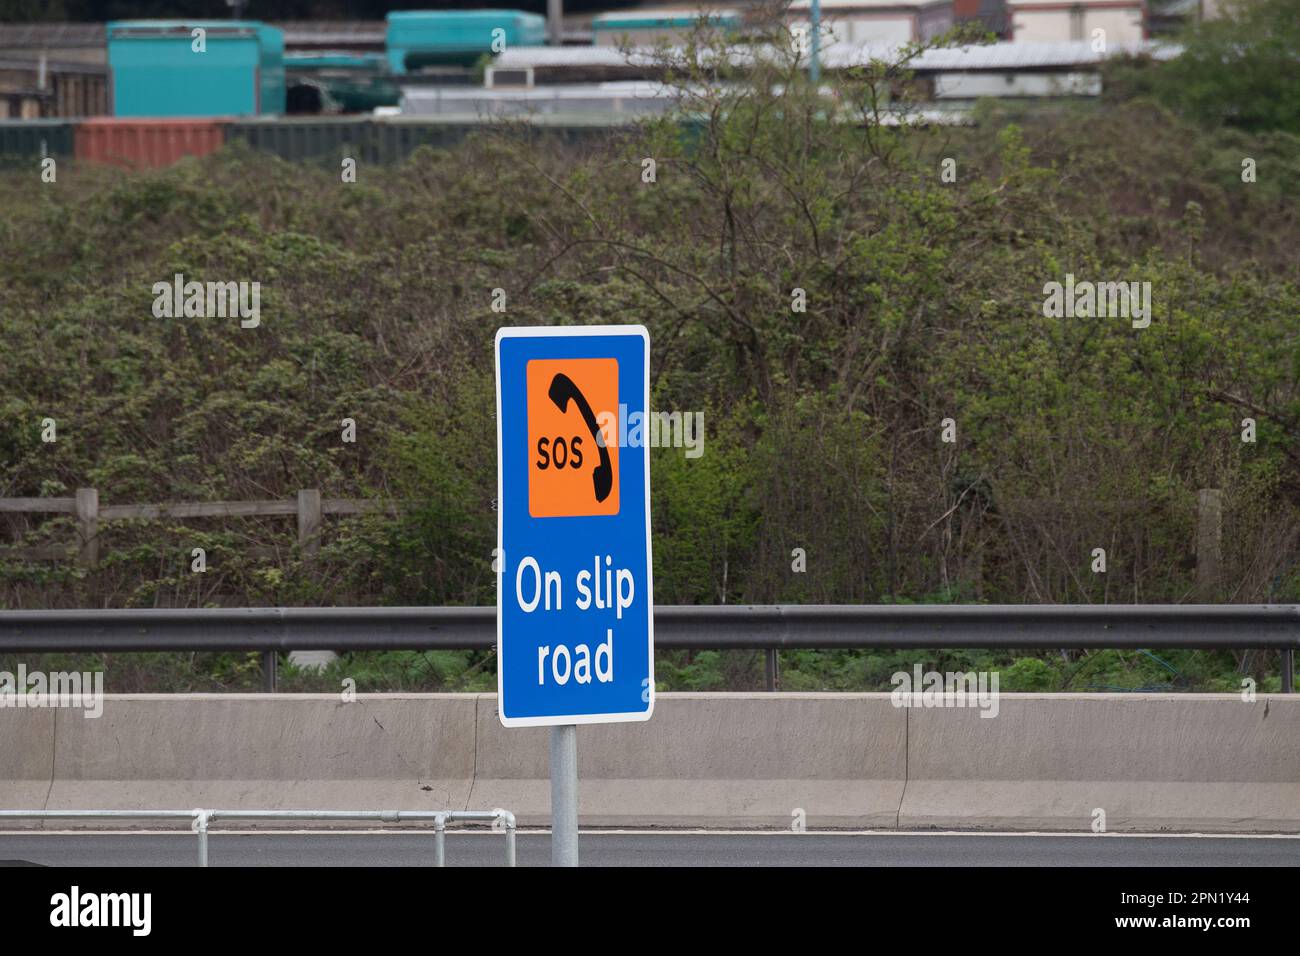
(564, 795)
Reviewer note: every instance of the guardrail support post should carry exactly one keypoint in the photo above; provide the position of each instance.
(773, 668)
(440, 842)
(1288, 670)
(270, 670)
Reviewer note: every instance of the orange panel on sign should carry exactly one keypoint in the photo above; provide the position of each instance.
(570, 472)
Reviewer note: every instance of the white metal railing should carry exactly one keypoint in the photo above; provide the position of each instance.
(201, 820)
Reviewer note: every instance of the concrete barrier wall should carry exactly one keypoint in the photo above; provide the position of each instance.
(266, 752)
(26, 757)
(712, 760)
(1150, 761)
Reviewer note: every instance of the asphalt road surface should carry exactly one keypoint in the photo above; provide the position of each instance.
(598, 848)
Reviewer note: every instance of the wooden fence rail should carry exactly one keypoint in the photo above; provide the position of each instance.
(309, 508)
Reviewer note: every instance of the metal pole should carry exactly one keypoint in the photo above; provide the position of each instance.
(439, 842)
(564, 795)
(773, 663)
(815, 67)
(201, 825)
(1288, 671)
(555, 22)
(510, 845)
(270, 666)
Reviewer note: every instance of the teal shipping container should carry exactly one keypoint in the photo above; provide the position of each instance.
(418, 38)
(163, 68)
(648, 28)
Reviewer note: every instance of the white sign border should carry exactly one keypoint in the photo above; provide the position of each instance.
(571, 331)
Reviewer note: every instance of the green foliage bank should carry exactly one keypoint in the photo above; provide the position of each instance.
(924, 301)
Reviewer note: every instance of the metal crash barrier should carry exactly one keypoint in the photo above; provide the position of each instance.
(770, 628)
(201, 821)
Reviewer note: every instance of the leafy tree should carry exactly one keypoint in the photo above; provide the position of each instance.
(1240, 70)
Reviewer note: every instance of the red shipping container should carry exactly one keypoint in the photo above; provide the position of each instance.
(146, 143)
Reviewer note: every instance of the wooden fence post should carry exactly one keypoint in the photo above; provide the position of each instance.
(309, 526)
(309, 521)
(1209, 544)
(88, 527)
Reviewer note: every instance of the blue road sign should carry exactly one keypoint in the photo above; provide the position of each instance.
(575, 602)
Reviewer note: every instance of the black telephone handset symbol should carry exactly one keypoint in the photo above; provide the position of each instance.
(561, 391)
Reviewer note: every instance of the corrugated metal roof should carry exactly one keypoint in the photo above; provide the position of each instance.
(556, 56)
(32, 62)
(1080, 3)
(1030, 55)
(313, 27)
(1005, 56)
(994, 56)
(685, 15)
(841, 6)
(612, 100)
(13, 35)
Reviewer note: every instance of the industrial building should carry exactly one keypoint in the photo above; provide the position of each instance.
(875, 23)
(433, 58)
(37, 88)
(137, 92)
(1054, 21)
